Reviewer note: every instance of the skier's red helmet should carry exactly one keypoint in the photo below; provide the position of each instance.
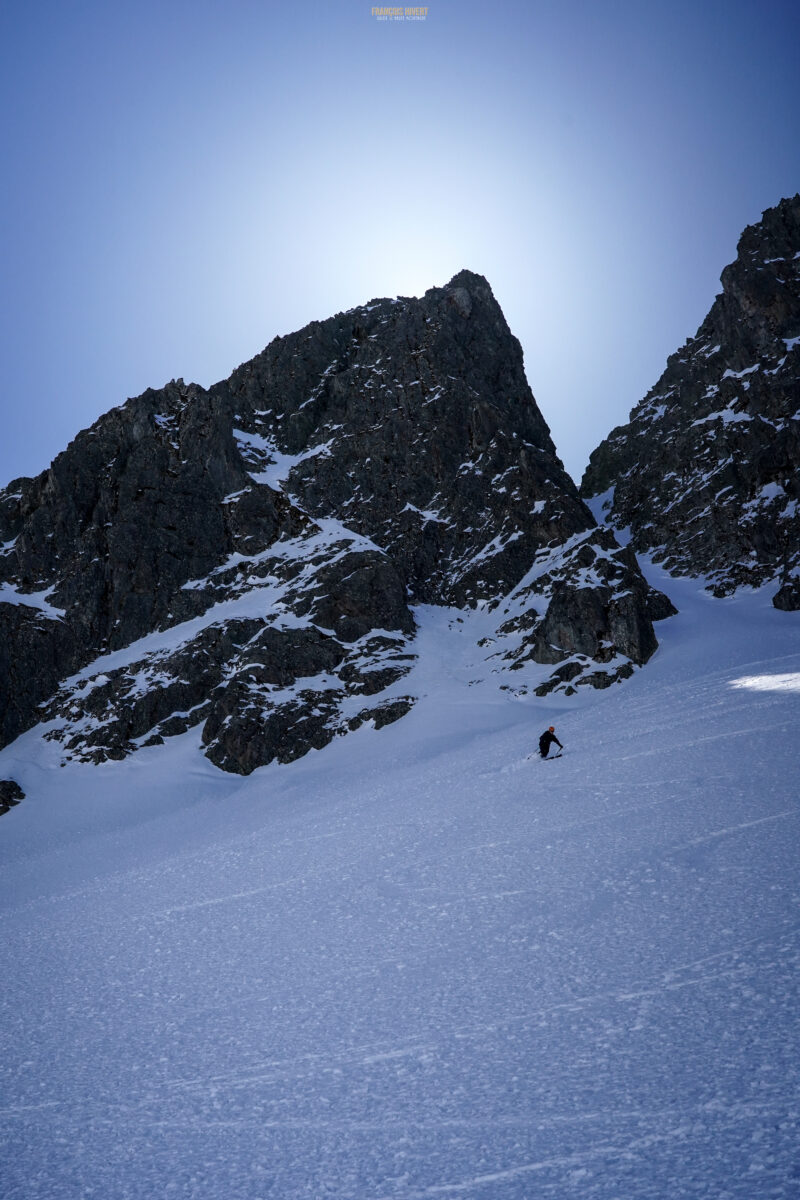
(552, 728)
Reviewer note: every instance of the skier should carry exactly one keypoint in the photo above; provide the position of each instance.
(546, 741)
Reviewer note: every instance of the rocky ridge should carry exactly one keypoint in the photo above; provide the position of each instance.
(247, 558)
(705, 473)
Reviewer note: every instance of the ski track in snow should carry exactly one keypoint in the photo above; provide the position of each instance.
(418, 963)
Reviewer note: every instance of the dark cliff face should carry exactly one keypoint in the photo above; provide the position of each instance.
(245, 558)
(706, 471)
(413, 422)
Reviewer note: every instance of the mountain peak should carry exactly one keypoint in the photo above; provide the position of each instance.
(247, 558)
(706, 471)
(466, 278)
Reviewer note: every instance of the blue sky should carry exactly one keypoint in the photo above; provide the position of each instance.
(184, 181)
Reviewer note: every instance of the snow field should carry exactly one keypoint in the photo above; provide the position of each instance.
(418, 963)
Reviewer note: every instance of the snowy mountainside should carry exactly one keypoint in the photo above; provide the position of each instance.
(419, 963)
(246, 557)
(705, 474)
(284, 634)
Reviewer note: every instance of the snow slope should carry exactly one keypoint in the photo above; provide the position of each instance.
(418, 964)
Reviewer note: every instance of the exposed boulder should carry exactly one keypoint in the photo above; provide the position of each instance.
(10, 795)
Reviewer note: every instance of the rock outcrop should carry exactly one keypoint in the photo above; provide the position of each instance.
(247, 557)
(705, 473)
(10, 795)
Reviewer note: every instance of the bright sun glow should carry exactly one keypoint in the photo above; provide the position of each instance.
(769, 683)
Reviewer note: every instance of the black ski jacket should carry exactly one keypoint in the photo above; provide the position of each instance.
(546, 741)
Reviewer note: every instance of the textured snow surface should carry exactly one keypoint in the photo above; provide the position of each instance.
(417, 963)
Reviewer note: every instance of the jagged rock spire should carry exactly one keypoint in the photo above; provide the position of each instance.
(706, 471)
